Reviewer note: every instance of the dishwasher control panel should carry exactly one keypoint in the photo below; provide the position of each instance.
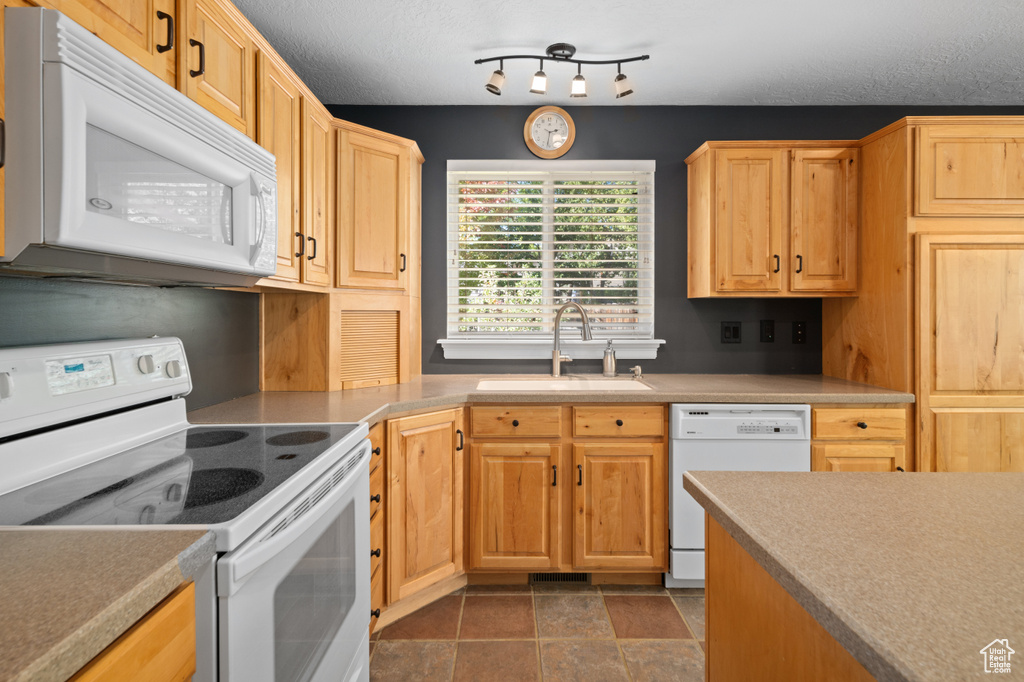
(740, 422)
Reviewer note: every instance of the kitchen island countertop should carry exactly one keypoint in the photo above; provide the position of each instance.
(68, 594)
(446, 390)
(912, 573)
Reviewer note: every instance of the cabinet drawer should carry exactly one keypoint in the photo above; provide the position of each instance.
(861, 424)
(377, 443)
(534, 421)
(856, 456)
(376, 490)
(376, 598)
(376, 542)
(613, 422)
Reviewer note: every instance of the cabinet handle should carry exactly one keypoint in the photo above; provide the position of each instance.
(799, 263)
(618, 422)
(515, 422)
(170, 31)
(862, 425)
(402, 269)
(554, 475)
(376, 451)
(900, 469)
(375, 613)
(302, 246)
(312, 239)
(778, 263)
(375, 552)
(202, 58)
(3, 142)
(375, 498)
(462, 442)
(579, 468)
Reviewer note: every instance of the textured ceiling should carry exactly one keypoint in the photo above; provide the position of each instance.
(724, 52)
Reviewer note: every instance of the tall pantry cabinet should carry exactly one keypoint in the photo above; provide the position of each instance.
(939, 305)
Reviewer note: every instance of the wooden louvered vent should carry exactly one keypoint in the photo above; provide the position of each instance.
(369, 348)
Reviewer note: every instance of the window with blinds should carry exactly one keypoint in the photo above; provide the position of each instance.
(526, 238)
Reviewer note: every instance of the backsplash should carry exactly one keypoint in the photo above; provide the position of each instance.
(220, 329)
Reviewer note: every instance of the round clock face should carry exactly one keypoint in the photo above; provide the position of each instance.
(549, 131)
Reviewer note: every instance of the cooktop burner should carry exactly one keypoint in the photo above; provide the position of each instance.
(200, 475)
(209, 486)
(209, 439)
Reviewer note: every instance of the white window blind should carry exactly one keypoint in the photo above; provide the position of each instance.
(525, 238)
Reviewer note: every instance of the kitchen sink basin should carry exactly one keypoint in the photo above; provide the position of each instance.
(564, 384)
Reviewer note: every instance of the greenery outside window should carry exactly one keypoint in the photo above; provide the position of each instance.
(526, 237)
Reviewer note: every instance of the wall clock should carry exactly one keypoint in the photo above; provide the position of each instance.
(549, 132)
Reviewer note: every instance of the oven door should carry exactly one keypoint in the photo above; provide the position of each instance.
(294, 600)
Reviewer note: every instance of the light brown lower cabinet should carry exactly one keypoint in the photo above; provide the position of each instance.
(161, 647)
(858, 438)
(424, 501)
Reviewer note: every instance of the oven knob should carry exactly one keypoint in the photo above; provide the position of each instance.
(6, 385)
(148, 514)
(147, 365)
(173, 368)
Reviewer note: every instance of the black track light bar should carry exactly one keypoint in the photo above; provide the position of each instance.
(570, 60)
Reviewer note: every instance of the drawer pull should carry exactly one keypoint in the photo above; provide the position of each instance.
(554, 475)
(375, 613)
(515, 422)
(901, 469)
(862, 425)
(618, 422)
(579, 468)
(376, 553)
(375, 498)
(376, 451)
(462, 441)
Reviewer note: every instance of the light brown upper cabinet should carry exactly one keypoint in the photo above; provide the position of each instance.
(144, 30)
(970, 170)
(317, 193)
(373, 211)
(772, 219)
(217, 62)
(279, 132)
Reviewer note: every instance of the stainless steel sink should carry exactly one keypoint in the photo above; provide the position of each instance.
(564, 383)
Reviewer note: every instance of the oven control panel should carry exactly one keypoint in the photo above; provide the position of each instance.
(42, 386)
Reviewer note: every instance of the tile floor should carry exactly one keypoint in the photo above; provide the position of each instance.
(547, 632)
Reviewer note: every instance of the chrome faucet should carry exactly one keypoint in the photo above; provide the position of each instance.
(556, 355)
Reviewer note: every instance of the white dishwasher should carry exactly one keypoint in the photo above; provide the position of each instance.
(725, 437)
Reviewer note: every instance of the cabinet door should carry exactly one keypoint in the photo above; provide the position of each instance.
(970, 170)
(373, 211)
(143, 30)
(317, 207)
(424, 502)
(279, 129)
(823, 220)
(218, 63)
(970, 324)
(749, 220)
(620, 506)
(514, 505)
(856, 456)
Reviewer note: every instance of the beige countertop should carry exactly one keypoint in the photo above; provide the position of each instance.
(444, 390)
(913, 573)
(65, 595)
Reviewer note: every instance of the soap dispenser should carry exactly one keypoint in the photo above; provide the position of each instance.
(609, 360)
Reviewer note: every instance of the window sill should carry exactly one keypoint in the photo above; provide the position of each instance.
(540, 349)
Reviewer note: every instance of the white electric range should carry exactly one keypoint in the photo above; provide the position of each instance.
(95, 434)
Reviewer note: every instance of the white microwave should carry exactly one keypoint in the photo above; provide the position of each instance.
(113, 174)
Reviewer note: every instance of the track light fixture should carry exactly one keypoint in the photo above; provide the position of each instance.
(561, 52)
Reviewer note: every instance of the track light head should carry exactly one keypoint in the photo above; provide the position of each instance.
(497, 80)
(579, 83)
(540, 81)
(622, 86)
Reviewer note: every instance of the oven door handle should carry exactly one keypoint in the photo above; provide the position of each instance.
(294, 520)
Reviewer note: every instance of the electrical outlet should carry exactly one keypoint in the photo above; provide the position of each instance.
(799, 332)
(731, 332)
(767, 331)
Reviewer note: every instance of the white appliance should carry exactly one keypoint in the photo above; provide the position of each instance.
(113, 174)
(96, 434)
(725, 437)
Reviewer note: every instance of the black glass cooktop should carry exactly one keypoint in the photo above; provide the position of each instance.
(200, 475)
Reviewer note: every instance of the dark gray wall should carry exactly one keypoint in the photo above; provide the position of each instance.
(220, 329)
(668, 135)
